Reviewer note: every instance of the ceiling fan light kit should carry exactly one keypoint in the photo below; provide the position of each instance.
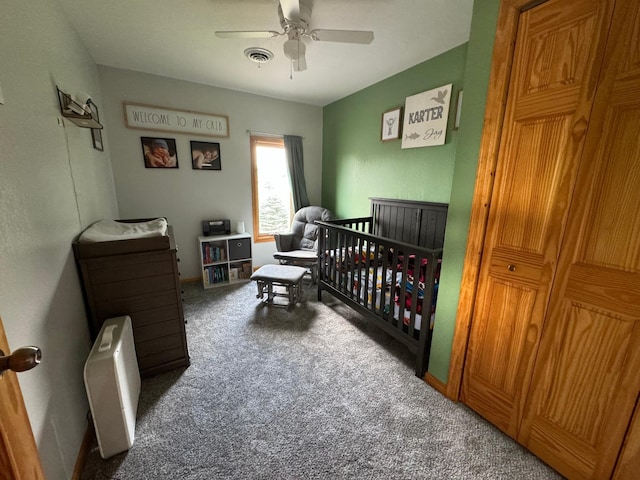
(294, 18)
(295, 50)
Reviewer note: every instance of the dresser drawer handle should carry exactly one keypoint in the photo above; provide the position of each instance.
(511, 267)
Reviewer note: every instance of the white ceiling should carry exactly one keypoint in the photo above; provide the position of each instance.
(176, 38)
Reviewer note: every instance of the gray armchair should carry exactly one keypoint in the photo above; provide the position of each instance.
(300, 246)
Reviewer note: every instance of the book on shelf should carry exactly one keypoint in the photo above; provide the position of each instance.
(216, 274)
(213, 253)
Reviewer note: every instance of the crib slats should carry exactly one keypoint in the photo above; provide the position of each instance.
(424, 344)
(354, 263)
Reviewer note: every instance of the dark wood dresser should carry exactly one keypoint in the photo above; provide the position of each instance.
(138, 278)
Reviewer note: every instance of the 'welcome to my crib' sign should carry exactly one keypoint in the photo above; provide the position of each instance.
(148, 117)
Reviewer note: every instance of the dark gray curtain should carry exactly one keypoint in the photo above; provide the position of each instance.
(295, 160)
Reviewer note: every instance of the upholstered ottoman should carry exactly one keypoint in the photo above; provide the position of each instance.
(288, 276)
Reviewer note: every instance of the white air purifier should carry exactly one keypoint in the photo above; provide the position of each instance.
(112, 380)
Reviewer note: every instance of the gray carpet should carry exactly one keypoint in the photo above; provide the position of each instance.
(312, 393)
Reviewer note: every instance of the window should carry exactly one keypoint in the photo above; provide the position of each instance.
(272, 201)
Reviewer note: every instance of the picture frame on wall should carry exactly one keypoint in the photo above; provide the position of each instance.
(205, 156)
(96, 133)
(390, 128)
(456, 124)
(159, 152)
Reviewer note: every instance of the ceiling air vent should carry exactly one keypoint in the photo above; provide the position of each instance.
(258, 55)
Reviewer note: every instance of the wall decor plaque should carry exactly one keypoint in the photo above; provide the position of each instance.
(425, 118)
(149, 117)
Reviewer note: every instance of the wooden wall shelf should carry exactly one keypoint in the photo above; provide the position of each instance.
(69, 108)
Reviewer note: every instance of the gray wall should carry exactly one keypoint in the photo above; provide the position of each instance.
(53, 184)
(187, 196)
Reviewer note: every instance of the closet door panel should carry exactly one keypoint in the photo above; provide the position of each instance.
(628, 464)
(532, 184)
(580, 410)
(501, 339)
(614, 218)
(556, 61)
(586, 382)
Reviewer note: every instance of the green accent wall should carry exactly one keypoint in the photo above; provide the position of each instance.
(476, 81)
(356, 165)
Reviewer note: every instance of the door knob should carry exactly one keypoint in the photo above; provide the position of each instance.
(22, 359)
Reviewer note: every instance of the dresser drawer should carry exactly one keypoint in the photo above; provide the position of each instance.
(161, 350)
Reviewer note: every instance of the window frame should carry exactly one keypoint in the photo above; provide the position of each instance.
(256, 141)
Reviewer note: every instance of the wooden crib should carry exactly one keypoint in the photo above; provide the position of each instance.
(387, 267)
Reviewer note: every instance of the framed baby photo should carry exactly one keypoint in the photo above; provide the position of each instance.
(205, 156)
(159, 152)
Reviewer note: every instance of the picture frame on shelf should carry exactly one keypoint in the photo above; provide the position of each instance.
(159, 152)
(390, 128)
(233, 274)
(205, 156)
(96, 133)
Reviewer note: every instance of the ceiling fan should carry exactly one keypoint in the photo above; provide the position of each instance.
(294, 19)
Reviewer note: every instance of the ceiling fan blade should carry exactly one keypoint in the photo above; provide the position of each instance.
(248, 34)
(290, 9)
(344, 36)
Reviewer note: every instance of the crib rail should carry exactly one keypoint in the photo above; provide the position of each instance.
(361, 224)
(376, 276)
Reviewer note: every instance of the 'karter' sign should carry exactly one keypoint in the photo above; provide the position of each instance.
(425, 118)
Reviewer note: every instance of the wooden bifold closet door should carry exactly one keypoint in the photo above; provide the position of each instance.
(553, 357)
